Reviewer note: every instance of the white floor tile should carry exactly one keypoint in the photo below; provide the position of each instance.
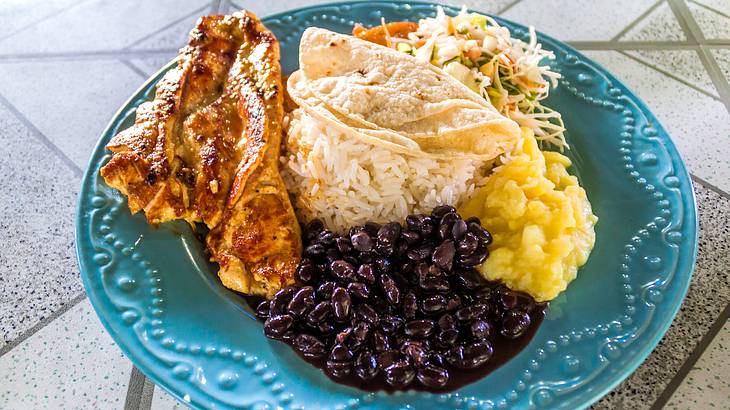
(18, 14)
(660, 25)
(69, 101)
(569, 21)
(698, 124)
(161, 400)
(98, 25)
(681, 63)
(713, 25)
(70, 364)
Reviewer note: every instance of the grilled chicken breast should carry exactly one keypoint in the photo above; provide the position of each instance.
(207, 148)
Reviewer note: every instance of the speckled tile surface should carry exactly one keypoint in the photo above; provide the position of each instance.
(708, 294)
(62, 65)
(705, 152)
(707, 385)
(70, 364)
(38, 272)
(713, 24)
(659, 25)
(722, 55)
(567, 21)
(680, 63)
(161, 400)
(98, 25)
(84, 96)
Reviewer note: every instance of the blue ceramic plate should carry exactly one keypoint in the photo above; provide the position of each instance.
(162, 303)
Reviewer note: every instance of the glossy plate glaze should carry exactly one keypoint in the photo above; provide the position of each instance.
(160, 299)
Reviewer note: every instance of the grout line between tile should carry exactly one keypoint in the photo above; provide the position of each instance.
(709, 186)
(688, 364)
(693, 31)
(165, 27)
(41, 137)
(79, 55)
(668, 74)
(633, 45)
(507, 7)
(224, 6)
(42, 19)
(148, 391)
(40, 325)
(134, 68)
(636, 21)
(706, 7)
(134, 389)
(214, 5)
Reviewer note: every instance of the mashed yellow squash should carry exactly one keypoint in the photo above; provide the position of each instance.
(540, 219)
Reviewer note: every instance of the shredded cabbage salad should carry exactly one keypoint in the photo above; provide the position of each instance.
(481, 54)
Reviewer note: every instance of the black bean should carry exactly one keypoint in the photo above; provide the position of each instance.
(470, 313)
(473, 219)
(281, 300)
(315, 249)
(362, 241)
(340, 353)
(368, 257)
(446, 322)
(410, 305)
(480, 329)
(442, 210)
(433, 304)
(338, 369)
(458, 230)
(508, 299)
(276, 326)
(366, 273)
(470, 356)
(380, 342)
(387, 284)
(484, 294)
(324, 291)
(453, 302)
(389, 233)
(448, 337)
(434, 284)
(309, 346)
(443, 255)
(416, 351)
(476, 258)
(433, 376)
(332, 254)
(312, 229)
(514, 324)
(469, 279)
(326, 238)
(341, 303)
(367, 314)
(326, 328)
(366, 366)
(372, 228)
(360, 331)
(389, 357)
(320, 312)
(446, 225)
(343, 270)
(420, 328)
(383, 265)
(301, 302)
(467, 245)
(420, 253)
(306, 270)
(399, 375)
(359, 290)
(391, 323)
(485, 238)
(263, 309)
(410, 237)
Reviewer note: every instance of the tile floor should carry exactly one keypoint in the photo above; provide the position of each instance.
(67, 65)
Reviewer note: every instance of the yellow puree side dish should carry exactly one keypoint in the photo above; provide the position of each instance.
(540, 219)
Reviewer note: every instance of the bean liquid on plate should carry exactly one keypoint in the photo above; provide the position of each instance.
(391, 307)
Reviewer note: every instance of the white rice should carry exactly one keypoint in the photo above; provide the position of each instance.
(345, 181)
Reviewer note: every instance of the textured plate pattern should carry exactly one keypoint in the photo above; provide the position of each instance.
(160, 300)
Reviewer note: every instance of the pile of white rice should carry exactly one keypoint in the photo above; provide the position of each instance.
(345, 181)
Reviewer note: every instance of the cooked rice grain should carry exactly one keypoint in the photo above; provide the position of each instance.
(345, 181)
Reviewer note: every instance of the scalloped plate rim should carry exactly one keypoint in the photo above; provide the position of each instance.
(606, 387)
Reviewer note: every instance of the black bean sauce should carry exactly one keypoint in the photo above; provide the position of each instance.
(391, 307)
